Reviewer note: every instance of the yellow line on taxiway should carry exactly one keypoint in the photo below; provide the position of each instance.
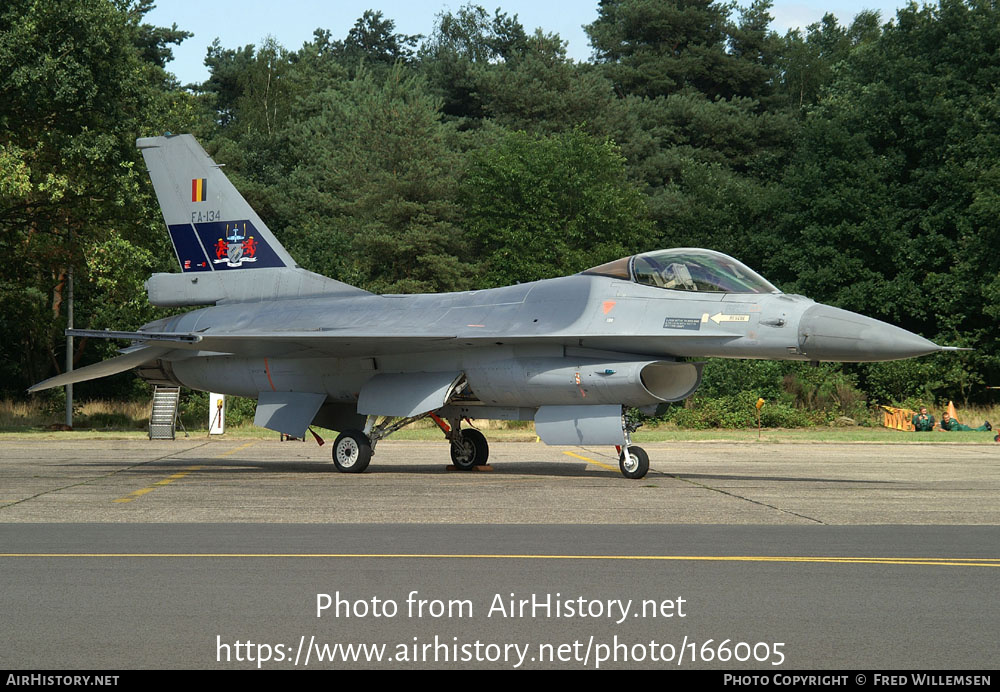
(925, 561)
(177, 476)
(592, 461)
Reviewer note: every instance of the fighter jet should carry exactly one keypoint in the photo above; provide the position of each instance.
(569, 353)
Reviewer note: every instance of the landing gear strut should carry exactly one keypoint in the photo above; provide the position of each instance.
(468, 447)
(353, 449)
(632, 461)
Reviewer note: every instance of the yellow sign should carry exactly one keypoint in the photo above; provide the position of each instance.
(216, 414)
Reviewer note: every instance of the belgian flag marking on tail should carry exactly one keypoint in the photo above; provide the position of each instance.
(199, 188)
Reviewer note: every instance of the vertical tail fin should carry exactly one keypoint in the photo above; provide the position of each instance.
(211, 226)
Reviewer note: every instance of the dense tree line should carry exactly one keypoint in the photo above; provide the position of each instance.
(857, 163)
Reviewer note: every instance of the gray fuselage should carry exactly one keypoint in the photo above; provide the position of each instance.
(564, 323)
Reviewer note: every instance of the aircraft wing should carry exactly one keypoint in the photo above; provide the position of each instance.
(350, 342)
(279, 343)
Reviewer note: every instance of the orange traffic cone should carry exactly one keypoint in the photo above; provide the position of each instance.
(951, 411)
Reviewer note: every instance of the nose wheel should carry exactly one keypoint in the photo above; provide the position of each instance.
(633, 462)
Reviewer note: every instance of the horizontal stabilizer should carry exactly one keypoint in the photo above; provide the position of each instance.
(112, 366)
(210, 288)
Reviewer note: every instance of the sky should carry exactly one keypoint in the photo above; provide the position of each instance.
(240, 22)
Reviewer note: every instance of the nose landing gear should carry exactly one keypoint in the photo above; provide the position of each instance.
(633, 461)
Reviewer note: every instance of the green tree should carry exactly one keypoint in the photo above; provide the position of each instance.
(371, 197)
(79, 82)
(225, 82)
(544, 206)
(372, 40)
(538, 89)
(755, 49)
(460, 50)
(251, 86)
(655, 48)
(695, 81)
(154, 42)
(806, 64)
(890, 203)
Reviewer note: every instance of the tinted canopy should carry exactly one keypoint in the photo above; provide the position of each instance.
(687, 269)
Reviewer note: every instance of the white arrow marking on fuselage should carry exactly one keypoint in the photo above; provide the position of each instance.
(719, 317)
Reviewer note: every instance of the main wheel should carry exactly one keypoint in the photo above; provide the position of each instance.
(352, 451)
(471, 449)
(636, 464)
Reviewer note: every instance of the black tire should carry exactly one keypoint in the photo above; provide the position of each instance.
(482, 446)
(638, 463)
(352, 451)
(471, 449)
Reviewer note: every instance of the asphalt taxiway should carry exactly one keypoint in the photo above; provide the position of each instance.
(122, 554)
(199, 480)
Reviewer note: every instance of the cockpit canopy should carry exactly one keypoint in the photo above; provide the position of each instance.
(687, 269)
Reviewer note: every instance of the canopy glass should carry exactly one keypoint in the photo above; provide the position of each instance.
(687, 269)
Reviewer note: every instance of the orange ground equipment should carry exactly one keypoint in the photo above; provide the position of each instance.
(898, 418)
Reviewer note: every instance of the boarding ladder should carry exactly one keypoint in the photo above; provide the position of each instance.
(163, 415)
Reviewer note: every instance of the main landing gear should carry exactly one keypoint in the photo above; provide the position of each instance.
(469, 448)
(353, 449)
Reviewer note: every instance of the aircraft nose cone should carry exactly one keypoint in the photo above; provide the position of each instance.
(832, 334)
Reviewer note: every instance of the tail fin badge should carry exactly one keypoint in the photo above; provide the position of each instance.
(237, 247)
